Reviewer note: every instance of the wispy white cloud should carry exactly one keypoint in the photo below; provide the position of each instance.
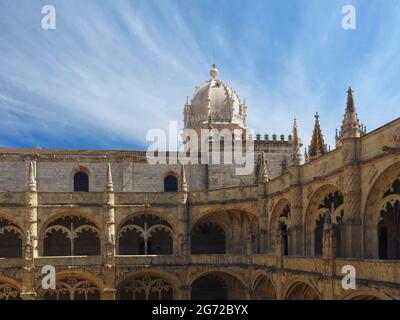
(113, 70)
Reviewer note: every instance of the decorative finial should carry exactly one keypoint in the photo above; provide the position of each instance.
(109, 186)
(263, 173)
(214, 72)
(296, 156)
(32, 178)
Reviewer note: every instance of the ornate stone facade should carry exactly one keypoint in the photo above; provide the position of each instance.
(276, 234)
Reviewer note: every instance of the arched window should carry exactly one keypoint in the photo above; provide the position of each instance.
(145, 235)
(10, 240)
(170, 183)
(71, 236)
(146, 288)
(73, 289)
(81, 182)
(335, 200)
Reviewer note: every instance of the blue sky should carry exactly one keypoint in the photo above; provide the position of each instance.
(114, 69)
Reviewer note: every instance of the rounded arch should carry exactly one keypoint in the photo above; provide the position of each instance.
(81, 178)
(16, 284)
(229, 221)
(263, 288)
(147, 286)
(151, 212)
(171, 181)
(73, 286)
(218, 285)
(376, 199)
(323, 199)
(301, 290)
(365, 295)
(70, 234)
(11, 238)
(145, 234)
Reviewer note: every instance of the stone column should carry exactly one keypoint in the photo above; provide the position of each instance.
(328, 253)
(352, 235)
(109, 239)
(295, 227)
(31, 237)
(184, 292)
(183, 237)
(279, 247)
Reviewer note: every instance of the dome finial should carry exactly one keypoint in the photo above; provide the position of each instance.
(214, 71)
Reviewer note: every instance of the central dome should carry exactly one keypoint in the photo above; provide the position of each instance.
(215, 103)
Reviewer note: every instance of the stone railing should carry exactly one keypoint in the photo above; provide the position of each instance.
(12, 198)
(76, 261)
(11, 262)
(306, 264)
(226, 194)
(70, 198)
(372, 270)
(144, 198)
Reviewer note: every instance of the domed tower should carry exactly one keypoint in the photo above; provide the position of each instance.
(215, 105)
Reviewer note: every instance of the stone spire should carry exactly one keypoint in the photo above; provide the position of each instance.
(32, 178)
(317, 146)
(184, 187)
(263, 172)
(350, 126)
(109, 186)
(296, 156)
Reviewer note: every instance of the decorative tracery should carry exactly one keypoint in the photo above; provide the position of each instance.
(71, 236)
(334, 201)
(10, 239)
(73, 289)
(8, 292)
(389, 223)
(145, 234)
(146, 288)
(283, 227)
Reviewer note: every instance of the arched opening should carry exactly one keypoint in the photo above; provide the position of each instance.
(10, 240)
(170, 183)
(9, 292)
(71, 236)
(208, 238)
(73, 288)
(145, 288)
(316, 218)
(218, 286)
(264, 289)
(210, 287)
(81, 182)
(145, 235)
(302, 291)
(280, 222)
(389, 224)
(380, 222)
